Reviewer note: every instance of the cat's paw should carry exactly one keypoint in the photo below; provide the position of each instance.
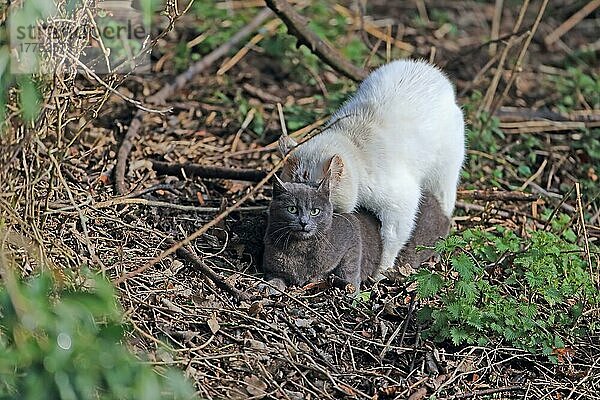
(272, 287)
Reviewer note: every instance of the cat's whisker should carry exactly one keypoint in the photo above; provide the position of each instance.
(280, 237)
(343, 216)
(321, 236)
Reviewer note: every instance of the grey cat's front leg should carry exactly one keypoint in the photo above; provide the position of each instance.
(349, 267)
(272, 286)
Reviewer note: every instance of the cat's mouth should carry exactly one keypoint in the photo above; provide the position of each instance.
(304, 234)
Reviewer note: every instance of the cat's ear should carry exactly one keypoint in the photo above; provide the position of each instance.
(335, 168)
(286, 144)
(278, 186)
(325, 184)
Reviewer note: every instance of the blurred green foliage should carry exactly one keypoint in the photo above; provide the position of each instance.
(23, 86)
(575, 88)
(60, 343)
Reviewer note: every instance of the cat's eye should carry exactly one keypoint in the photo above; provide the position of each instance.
(292, 209)
(315, 211)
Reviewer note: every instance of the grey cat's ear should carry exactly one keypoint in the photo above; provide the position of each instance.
(278, 186)
(325, 184)
(286, 144)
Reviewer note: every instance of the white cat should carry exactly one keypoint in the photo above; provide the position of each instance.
(401, 134)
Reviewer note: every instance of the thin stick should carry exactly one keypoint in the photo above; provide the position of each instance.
(282, 119)
(535, 175)
(571, 22)
(495, 195)
(496, 26)
(269, 29)
(372, 29)
(422, 9)
(585, 235)
(208, 271)
(153, 203)
(208, 172)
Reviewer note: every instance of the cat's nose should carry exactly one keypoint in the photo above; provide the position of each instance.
(304, 225)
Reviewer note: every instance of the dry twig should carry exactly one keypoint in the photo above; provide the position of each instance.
(207, 172)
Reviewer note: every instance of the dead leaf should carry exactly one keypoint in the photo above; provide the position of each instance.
(412, 287)
(234, 187)
(139, 164)
(255, 386)
(418, 395)
(390, 390)
(213, 324)
(255, 344)
(200, 198)
(104, 179)
(439, 380)
(347, 389)
(255, 308)
(406, 270)
(563, 352)
(592, 174)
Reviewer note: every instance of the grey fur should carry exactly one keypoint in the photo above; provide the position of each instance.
(347, 245)
(300, 248)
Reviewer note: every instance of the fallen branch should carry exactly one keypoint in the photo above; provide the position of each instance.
(167, 91)
(207, 172)
(519, 114)
(180, 207)
(298, 26)
(495, 195)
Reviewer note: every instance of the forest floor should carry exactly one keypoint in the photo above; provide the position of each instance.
(533, 165)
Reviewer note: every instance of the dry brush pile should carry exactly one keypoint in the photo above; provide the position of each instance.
(170, 205)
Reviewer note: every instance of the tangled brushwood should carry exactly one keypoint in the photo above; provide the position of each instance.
(104, 178)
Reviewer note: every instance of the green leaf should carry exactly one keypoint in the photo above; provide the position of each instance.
(428, 283)
(458, 336)
(464, 265)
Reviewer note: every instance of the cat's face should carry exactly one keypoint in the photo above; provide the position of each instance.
(300, 210)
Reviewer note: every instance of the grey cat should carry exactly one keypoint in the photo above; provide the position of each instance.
(306, 241)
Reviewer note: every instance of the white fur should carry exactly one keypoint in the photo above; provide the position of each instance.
(401, 134)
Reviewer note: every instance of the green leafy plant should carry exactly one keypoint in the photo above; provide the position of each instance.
(528, 292)
(575, 87)
(60, 343)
